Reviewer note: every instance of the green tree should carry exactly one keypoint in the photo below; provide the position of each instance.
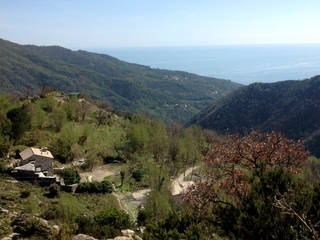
(20, 120)
(48, 104)
(158, 143)
(5, 144)
(58, 118)
(38, 116)
(138, 137)
(175, 132)
(71, 107)
(70, 176)
(157, 207)
(191, 147)
(61, 150)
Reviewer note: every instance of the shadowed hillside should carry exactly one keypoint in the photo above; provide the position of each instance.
(291, 107)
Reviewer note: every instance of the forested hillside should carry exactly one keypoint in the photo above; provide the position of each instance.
(134, 152)
(289, 107)
(169, 95)
(133, 172)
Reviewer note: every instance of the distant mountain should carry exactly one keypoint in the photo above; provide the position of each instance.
(290, 107)
(169, 95)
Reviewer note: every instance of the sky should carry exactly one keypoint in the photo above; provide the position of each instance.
(145, 23)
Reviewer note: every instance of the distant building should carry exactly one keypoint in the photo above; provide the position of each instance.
(42, 158)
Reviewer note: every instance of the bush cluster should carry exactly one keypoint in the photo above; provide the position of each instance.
(137, 174)
(105, 224)
(95, 187)
(70, 176)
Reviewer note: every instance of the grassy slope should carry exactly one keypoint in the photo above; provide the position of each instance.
(37, 204)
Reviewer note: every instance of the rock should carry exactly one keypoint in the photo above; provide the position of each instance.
(70, 188)
(43, 221)
(141, 229)
(123, 238)
(2, 210)
(12, 236)
(127, 232)
(26, 225)
(83, 237)
(136, 237)
(56, 228)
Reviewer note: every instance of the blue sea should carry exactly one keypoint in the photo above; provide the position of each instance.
(240, 63)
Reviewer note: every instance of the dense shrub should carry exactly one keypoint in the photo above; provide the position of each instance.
(54, 191)
(3, 167)
(95, 187)
(20, 120)
(105, 224)
(70, 176)
(59, 211)
(178, 225)
(5, 145)
(61, 150)
(25, 194)
(137, 174)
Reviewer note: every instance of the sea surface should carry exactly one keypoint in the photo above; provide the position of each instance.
(240, 63)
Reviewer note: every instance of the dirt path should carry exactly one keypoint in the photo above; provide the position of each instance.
(99, 173)
(179, 184)
(130, 201)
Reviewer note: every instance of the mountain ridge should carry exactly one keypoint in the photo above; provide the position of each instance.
(290, 107)
(165, 94)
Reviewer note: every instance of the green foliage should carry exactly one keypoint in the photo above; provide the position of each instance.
(5, 144)
(178, 225)
(158, 143)
(20, 122)
(157, 208)
(138, 137)
(3, 167)
(38, 116)
(259, 217)
(47, 104)
(314, 212)
(54, 191)
(190, 147)
(105, 224)
(113, 217)
(61, 150)
(137, 174)
(58, 118)
(71, 108)
(25, 194)
(311, 171)
(256, 216)
(61, 146)
(95, 187)
(70, 176)
(5, 125)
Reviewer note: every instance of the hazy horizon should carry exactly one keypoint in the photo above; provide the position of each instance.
(81, 24)
(244, 64)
